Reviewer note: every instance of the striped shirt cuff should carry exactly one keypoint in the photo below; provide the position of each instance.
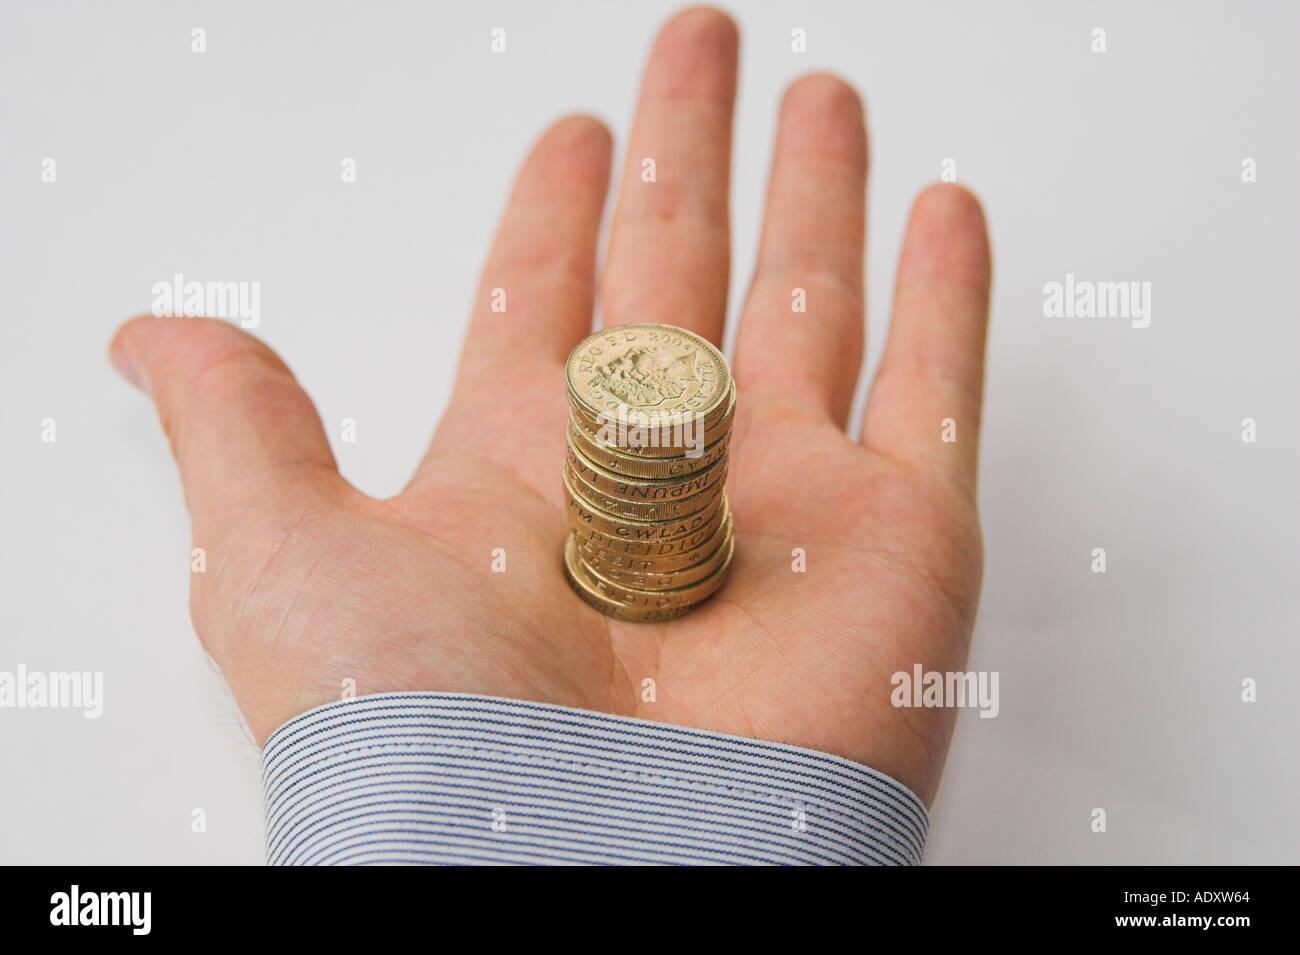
(457, 778)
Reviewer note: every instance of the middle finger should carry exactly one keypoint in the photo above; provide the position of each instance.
(669, 244)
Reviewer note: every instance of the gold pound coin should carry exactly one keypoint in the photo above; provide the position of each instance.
(638, 577)
(582, 516)
(651, 412)
(641, 466)
(644, 541)
(634, 605)
(650, 490)
(664, 558)
(659, 372)
(642, 433)
(691, 497)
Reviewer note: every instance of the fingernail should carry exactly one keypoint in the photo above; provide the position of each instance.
(122, 359)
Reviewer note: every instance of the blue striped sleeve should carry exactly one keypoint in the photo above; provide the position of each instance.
(455, 778)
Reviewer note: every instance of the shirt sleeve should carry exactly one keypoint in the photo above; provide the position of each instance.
(454, 778)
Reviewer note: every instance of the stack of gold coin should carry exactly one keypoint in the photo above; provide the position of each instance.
(650, 413)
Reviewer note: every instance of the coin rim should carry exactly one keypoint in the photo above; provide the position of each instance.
(713, 492)
(718, 425)
(614, 329)
(615, 521)
(631, 612)
(720, 572)
(604, 474)
(638, 464)
(724, 530)
(724, 510)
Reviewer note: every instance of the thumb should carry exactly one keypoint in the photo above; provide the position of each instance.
(241, 428)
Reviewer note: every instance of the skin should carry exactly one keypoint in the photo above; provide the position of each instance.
(311, 582)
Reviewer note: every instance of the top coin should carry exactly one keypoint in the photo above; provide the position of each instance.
(647, 375)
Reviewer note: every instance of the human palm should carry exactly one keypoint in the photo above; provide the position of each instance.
(854, 560)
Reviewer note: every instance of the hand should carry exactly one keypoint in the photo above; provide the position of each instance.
(311, 582)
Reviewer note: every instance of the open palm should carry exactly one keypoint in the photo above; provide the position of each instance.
(853, 560)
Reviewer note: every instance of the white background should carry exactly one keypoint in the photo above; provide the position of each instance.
(1119, 691)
